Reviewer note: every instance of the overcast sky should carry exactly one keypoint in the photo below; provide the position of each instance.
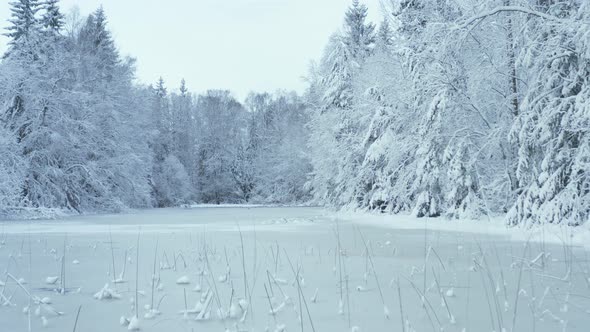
(240, 45)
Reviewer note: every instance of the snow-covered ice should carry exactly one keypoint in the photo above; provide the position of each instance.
(444, 275)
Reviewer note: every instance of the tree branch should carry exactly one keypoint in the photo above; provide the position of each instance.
(501, 9)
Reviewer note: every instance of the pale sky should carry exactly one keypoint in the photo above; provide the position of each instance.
(240, 45)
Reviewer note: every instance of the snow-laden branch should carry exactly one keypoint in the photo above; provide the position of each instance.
(501, 9)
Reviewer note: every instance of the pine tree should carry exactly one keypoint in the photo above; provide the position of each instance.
(162, 118)
(97, 41)
(52, 19)
(171, 147)
(412, 16)
(359, 35)
(24, 29)
(183, 88)
(336, 131)
(23, 52)
(161, 90)
(463, 195)
(163, 112)
(427, 188)
(102, 35)
(346, 53)
(337, 80)
(384, 39)
(183, 128)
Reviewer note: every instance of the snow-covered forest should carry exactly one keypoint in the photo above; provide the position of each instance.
(433, 175)
(78, 134)
(457, 108)
(463, 109)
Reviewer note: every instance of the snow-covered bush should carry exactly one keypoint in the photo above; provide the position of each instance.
(11, 177)
(171, 183)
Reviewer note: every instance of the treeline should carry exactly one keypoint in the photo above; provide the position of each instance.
(76, 133)
(457, 108)
(463, 109)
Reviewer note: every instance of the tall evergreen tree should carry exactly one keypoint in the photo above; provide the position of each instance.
(161, 90)
(384, 38)
(98, 42)
(52, 19)
(162, 119)
(183, 129)
(335, 126)
(359, 35)
(427, 189)
(24, 27)
(183, 89)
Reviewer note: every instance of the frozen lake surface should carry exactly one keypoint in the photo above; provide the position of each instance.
(224, 268)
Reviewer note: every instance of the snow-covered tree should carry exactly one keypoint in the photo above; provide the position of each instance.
(221, 122)
(359, 35)
(161, 117)
(172, 185)
(24, 29)
(552, 129)
(72, 125)
(427, 188)
(384, 37)
(96, 40)
(12, 165)
(335, 128)
(184, 129)
(52, 20)
(171, 147)
(464, 194)
(274, 158)
(393, 114)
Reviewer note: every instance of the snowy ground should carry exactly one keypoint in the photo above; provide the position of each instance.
(436, 274)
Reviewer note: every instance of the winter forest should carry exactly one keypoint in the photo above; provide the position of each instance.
(433, 175)
(456, 108)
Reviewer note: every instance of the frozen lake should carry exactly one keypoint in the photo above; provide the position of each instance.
(223, 268)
